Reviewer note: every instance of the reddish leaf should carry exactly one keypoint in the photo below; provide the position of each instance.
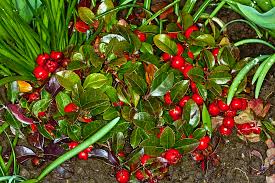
(53, 86)
(18, 114)
(36, 140)
(107, 155)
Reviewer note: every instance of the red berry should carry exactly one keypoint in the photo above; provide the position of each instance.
(197, 98)
(33, 97)
(121, 154)
(230, 113)
(183, 101)
(81, 26)
(122, 176)
(118, 104)
(177, 62)
(256, 130)
(213, 109)
(224, 91)
(33, 127)
(56, 55)
(71, 107)
(161, 129)
(139, 175)
(225, 131)
(204, 141)
(244, 104)
(167, 98)
(236, 104)
(215, 52)
(51, 66)
(40, 73)
(175, 113)
(245, 128)
(41, 114)
(72, 145)
(180, 49)
(190, 54)
(172, 156)
(189, 30)
(172, 35)
(42, 58)
(197, 156)
(144, 159)
(88, 149)
(83, 155)
(194, 87)
(223, 106)
(228, 122)
(166, 57)
(140, 35)
(186, 69)
(36, 161)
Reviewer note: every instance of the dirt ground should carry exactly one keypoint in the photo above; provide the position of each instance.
(237, 164)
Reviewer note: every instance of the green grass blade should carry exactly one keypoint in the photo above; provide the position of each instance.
(262, 76)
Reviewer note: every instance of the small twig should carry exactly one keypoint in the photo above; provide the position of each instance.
(243, 173)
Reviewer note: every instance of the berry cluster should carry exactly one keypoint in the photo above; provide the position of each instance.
(228, 111)
(83, 154)
(248, 128)
(171, 156)
(47, 64)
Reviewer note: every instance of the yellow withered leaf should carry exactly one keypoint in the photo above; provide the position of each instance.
(24, 87)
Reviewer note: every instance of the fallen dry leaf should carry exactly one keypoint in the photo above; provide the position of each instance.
(216, 121)
(150, 70)
(258, 107)
(245, 116)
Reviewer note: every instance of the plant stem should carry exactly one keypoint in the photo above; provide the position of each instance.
(249, 41)
(91, 140)
(216, 10)
(160, 12)
(201, 10)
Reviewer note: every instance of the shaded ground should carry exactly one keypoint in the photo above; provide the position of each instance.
(237, 164)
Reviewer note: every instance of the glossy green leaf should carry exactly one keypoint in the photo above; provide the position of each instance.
(91, 128)
(95, 81)
(118, 142)
(206, 120)
(86, 15)
(179, 90)
(95, 100)
(199, 133)
(62, 99)
(40, 106)
(165, 44)
(186, 145)
(202, 91)
(191, 113)
(205, 39)
(196, 74)
(220, 77)
(161, 84)
(110, 114)
(146, 48)
(167, 138)
(68, 79)
(208, 58)
(137, 136)
(144, 120)
(136, 82)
